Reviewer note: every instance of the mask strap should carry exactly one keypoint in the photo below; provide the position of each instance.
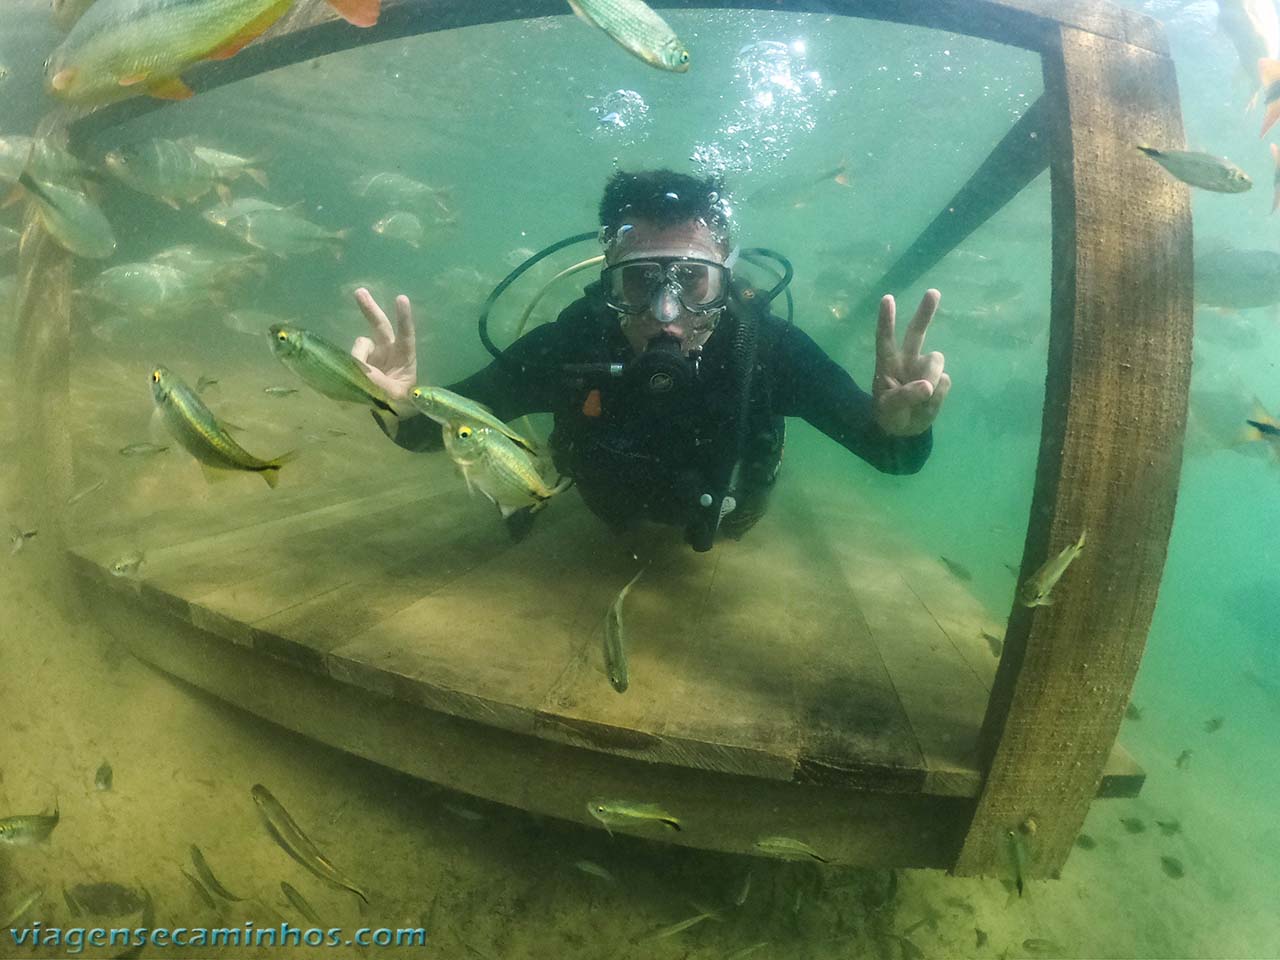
(731, 259)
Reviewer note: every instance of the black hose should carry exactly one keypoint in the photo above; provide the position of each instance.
(512, 277)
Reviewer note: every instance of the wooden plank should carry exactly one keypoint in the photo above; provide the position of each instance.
(489, 645)
(740, 661)
(1115, 411)
(311, 29)
(719, 811)
(1017, 159)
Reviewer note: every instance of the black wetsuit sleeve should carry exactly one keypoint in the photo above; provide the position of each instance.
(512, 387)
(809, 384)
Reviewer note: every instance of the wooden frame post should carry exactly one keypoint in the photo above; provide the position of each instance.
(1110, 447)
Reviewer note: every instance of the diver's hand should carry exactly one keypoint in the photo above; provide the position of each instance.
(390, 359)
(908, 388)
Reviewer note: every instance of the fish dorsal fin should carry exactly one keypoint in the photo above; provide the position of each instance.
(250, 32)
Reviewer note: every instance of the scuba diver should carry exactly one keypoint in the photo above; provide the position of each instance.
(670, 379)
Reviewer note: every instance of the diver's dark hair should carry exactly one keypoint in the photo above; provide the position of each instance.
(663, 197)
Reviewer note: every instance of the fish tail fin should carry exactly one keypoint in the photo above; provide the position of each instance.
(842, 174)
(223, 191)
(257, 176)
(1262, 417)
(359, 13)
(1149, 151)
(271, 472)
(1080, 542)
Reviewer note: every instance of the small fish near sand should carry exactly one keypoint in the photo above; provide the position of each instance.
(1133, 825)
(20, 908)
(1035, 592)
(205, 873)
(595, 870)
(297, 844)
(640, 31)
(1169, 828)
(127, 565)
(788, 848)
(1172, 867)
(195, 427)
(670, 931)
(104, 777)
(994, 644)
(18, 538)
(143, 449)
(300, 904)
(615, 640)
(1201, 170)
(958, 570)
(1085, 842)
(1184, 760)
(1214, 724)
(628, 813)
(24, 830)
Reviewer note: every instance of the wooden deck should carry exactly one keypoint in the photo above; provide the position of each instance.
(816, 651)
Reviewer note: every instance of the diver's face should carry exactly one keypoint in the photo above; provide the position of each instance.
(666, 314)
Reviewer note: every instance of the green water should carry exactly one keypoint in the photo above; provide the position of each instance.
(512, 123)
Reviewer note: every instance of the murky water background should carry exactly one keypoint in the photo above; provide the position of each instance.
(521, 124)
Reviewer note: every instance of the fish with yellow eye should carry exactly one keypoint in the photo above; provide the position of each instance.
(326, 368)
(122, 48)
(195, 427)
(498, 468)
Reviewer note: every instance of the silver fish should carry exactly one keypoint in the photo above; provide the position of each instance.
(498, 468)
(104, 777)
(127, 564)
(403, 226)
(297, 844)
(1201, 170)
(300, 904)
(673, 929)
(1035, 592)
(18, 538)
(143, 449)
(450, 409)
(615, 642)
(639, 30)
(26, 829)
(629, 813)
(788, 848)
(206, 874)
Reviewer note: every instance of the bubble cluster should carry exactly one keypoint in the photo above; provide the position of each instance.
(776, 93)
(621, 116)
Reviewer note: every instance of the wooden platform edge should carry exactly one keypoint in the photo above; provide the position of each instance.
(719, 811)
(1121, 778)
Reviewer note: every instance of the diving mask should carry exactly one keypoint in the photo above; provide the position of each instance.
(631, 287)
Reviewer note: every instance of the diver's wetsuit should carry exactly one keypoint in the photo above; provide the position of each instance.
(632, 458)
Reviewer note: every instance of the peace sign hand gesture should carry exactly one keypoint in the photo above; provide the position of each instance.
(908, 388)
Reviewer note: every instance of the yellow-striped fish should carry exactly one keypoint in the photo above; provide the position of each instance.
(1035, 592)
(634, 25)
(123, 48)
(195, 427)
(498, 468)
